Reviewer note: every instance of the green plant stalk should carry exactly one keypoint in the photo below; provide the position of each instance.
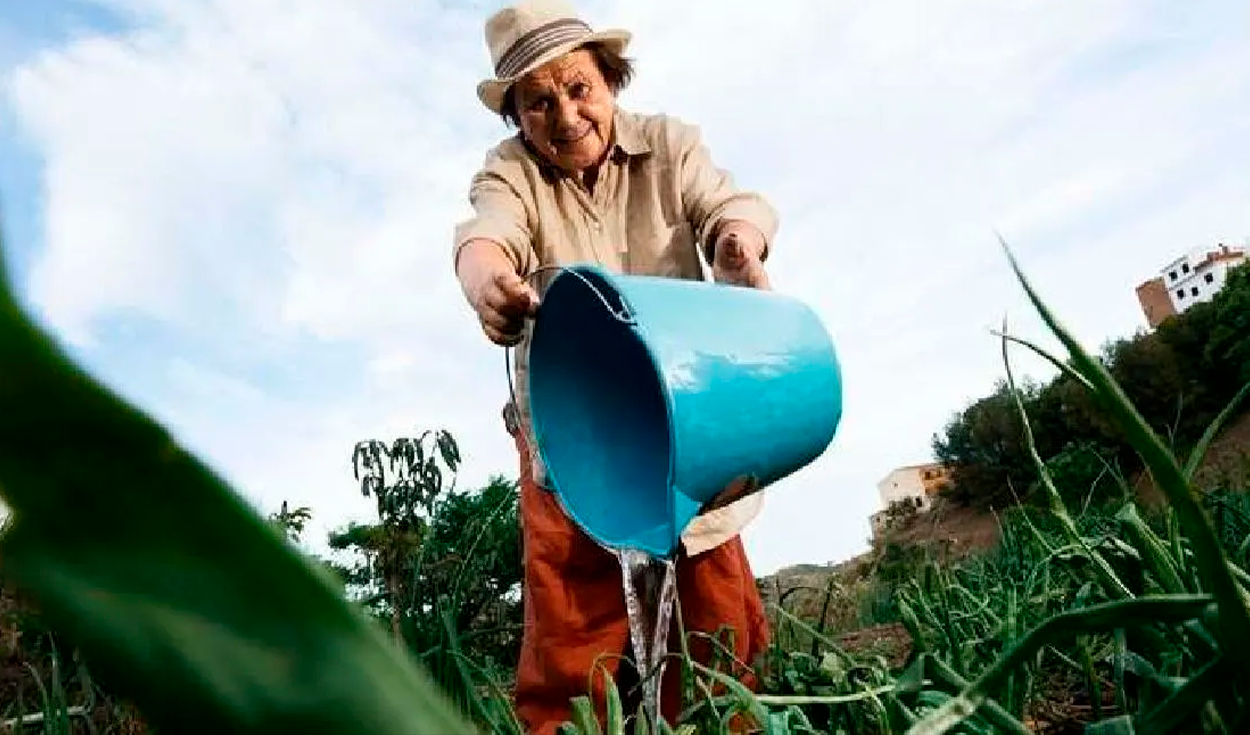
(1119, 664)
(828, 642)
(950, 683)
(824, 613)
(1154, 555)
(938, 586)
(1176, 543)
(1234, 628)
(1181, 705)
(746, 699)
(932, 621)
(640, 723)
(1118, 725)
(1043, 566)
(1063, 367)
(1091, 677)
(453, 641)
(1011, 629)
(485, 525)
(912, 624)
(1041, 540)
(614, 721)
(584, 720)
(1054, 500)
(1213, 429)
(1094, 619)
(783, 700)
(513, 725)
(979, 606)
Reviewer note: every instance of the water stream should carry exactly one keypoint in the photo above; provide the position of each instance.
(650, 585)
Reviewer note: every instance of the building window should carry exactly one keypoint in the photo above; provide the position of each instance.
(1209, 278)
(1172, 275)
(1184, 267)
(1180, 293)
(1193, 291)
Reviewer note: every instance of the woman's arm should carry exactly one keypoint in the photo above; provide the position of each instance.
(499, 217)
(492, 251)
(710, 198)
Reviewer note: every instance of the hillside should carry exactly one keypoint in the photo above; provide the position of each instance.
(955, 531)
(1227, 461)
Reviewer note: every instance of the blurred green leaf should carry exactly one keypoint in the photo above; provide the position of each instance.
(179, 594)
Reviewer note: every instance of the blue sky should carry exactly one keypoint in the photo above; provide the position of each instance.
(238, 214)
(25, 30)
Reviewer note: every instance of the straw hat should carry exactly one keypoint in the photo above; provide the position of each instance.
(530, 33)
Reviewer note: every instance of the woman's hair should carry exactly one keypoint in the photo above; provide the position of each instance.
(616, 69)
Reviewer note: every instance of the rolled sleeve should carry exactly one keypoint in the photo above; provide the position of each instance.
(710, 196)
(500, 216)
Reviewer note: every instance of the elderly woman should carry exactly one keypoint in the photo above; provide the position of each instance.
(585, 181)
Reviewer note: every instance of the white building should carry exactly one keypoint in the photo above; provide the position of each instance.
(919, 483)
(1191, 279)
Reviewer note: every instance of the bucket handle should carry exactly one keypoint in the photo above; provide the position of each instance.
(623, 316)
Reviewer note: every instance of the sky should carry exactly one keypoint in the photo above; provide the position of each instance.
(238, 215)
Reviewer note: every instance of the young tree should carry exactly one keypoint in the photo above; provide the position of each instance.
(291, 522)
(442, 565)
(406, 479)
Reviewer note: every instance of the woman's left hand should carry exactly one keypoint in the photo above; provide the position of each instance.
(737, 257)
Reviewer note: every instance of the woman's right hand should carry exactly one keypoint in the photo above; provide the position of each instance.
(501, 298)
(503, 305)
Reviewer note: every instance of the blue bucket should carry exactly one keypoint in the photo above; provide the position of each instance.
(650, 396)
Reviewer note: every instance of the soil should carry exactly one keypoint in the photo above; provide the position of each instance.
(891, 641)
(22, 671)
(1227, 462)
(959, 528)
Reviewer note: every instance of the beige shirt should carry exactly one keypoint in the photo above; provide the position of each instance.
(657, 203)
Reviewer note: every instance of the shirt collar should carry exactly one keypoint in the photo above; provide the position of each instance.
(628, 137)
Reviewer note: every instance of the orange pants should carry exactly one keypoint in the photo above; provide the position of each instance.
(575, 613)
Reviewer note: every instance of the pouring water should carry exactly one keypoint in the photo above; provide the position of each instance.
(650, 586)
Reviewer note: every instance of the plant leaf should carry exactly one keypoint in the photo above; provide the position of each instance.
(1213, 429)
(1212, 563)
(1093, 619)
(181, 597)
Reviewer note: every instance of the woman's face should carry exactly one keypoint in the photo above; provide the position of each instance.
(566, 108)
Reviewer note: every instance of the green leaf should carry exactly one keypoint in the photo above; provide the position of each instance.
(1062, 366)
(1152, 551)
(181, 597)
(1230, 411)
(1186, 703)
(1212, 564)
(615, 720)
(640, 722)
(1121, 725)
(584, 720)
(1055, 504)
(1093, 619)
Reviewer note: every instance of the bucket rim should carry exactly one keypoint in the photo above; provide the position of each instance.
(637, 329)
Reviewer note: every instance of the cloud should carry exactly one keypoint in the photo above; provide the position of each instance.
(266, 192)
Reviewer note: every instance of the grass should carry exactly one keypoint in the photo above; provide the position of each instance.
(184, 601)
